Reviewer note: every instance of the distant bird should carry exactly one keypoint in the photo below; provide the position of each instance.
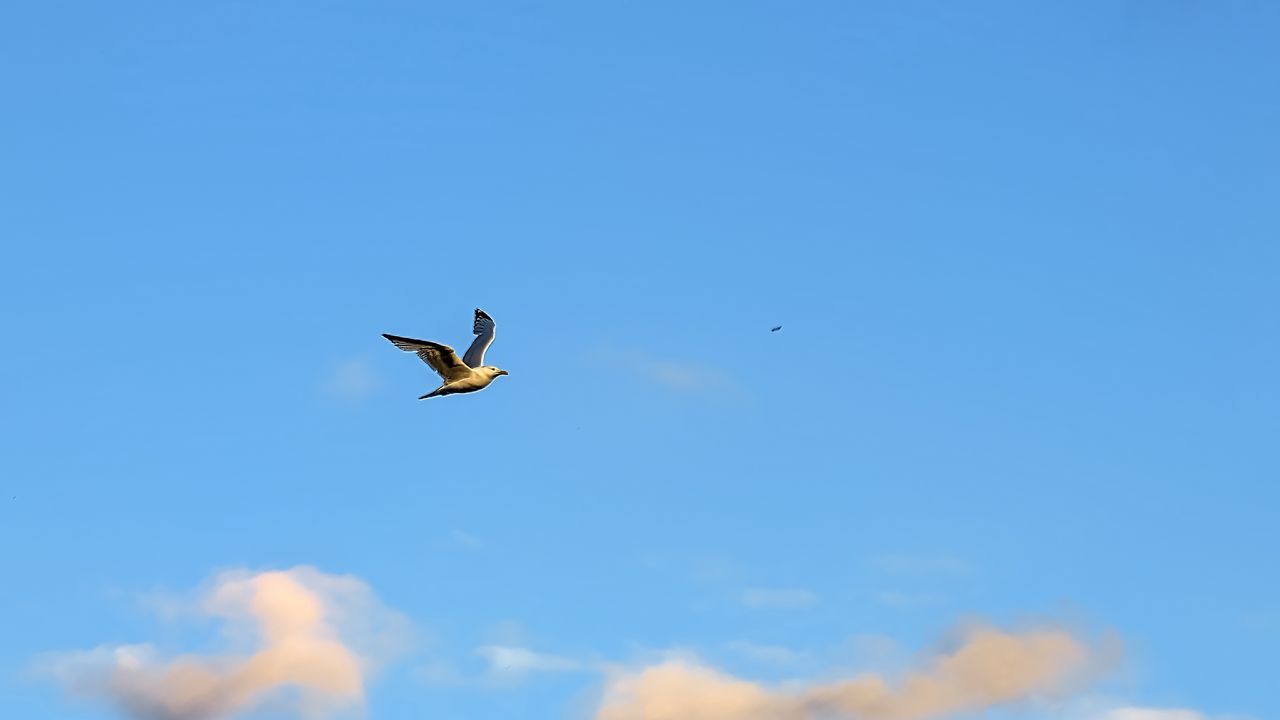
(776, 329)
(460, 376)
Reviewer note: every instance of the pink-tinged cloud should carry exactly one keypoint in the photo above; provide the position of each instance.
(989, 668)
(315, 634)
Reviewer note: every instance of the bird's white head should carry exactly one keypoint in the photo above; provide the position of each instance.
(494, 372)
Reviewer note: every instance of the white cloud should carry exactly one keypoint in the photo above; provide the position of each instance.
(781, 598)
(513, 663)
(507, 662)
(321, 635)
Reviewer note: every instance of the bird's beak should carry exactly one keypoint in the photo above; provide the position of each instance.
(503, 372)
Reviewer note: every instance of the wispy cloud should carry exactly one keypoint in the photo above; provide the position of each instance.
(1265, 620)
(781, 598)
(440, 672)
(505, 666)
(513, 663)
(988, 668)
(680, 375)
(686, 377)
(319, 634)
(921, 565)
(465, 540)
(1089, 707)
(352, 381)
(905, 600)
(1143, 713)
(765, 654)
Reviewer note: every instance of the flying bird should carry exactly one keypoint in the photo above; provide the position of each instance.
(776, 329)
(459, 376)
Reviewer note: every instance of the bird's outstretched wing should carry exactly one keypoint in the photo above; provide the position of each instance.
(483, 329)
(440, 357)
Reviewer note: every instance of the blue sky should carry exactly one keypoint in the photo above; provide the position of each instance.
(1025, 258)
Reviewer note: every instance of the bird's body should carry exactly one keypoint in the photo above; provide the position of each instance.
(460, 375)
(479, 379)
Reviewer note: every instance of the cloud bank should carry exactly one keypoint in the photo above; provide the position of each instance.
(990, 667)
(316, 635)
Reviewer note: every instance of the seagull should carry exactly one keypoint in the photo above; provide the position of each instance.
(460, 376)
(776, 329)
